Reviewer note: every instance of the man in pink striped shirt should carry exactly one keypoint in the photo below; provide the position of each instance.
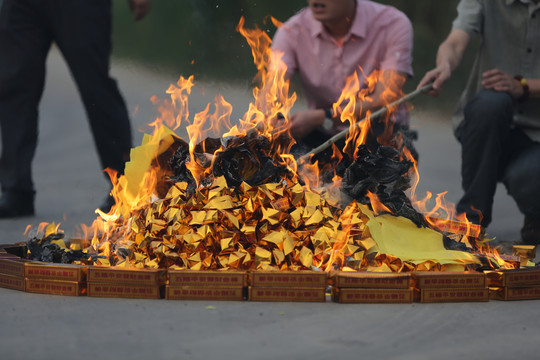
(329, 41)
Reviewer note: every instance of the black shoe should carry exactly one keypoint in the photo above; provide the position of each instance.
(530, 232)
(107, 204)
(16, 204)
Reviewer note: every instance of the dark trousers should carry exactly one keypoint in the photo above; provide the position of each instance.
(82, 31)
(494, 150)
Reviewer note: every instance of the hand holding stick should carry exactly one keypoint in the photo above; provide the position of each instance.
(374, 115)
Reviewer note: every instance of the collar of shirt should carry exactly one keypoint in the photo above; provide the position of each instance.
(358, 27)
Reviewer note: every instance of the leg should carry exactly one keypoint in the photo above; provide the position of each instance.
(82, 29)
(483, 136)
(24, 43)
(522, 180)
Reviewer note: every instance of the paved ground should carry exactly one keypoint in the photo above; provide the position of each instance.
(70, 187)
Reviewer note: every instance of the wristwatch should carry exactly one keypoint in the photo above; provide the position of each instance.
(328, 123)
(525, 87)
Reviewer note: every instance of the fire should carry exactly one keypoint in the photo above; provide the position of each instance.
(203, 221)
(175, 111)
(377, 206)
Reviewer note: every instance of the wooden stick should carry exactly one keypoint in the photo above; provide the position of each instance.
(374, 115)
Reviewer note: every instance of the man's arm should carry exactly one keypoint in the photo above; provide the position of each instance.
(498, 80)
(449, 57)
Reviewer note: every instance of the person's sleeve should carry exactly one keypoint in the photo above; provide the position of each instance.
(284, 45)
(470, 17)
(399, 46)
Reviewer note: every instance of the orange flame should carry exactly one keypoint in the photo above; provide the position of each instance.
(268, 115)
(377, 206)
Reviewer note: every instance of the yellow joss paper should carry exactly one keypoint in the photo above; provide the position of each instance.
(368, 243)
(60, 243)
(225, 243)
(219, 183)
(248, 229)
(124, 263)
(308, 212)
(50, 229)
(320, 237)
(279, 257)
(350, 249)
(359, 255)
(249, 205)
(333, 224)
(102, 262)
(275, 237)
(176, 190)
(195, 257)
(233, 219)
(327, 213)
(382, 268)
(141, 157)
(270, 215)
(296, 216)
(76, 244)
(288, 242)
(192, 237)
(198, 217)
(315, 218)
(455, 267)
(152, 264)
(207, 262)
(400, 237)
(312, 199)
(274, 187)
(158, 225)
(262, 255)
(140, 257)
(297, 192)
(233, 261)
(245, 187)
(220, 203)
(170, 213)
(306, 257)
(204, 231)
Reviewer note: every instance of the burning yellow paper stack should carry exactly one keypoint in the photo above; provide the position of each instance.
(278, 226)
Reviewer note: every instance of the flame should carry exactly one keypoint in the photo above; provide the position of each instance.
(44, 228)
(495, 259)
(380, 88)
(267, 115)
(337, 254)
(443, 213)
(377, 206)
(174, 111)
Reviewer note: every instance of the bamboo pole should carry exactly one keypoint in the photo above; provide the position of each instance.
(374, 115)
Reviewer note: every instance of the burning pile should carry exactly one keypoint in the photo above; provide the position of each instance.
(242, 202)
(279, 225)
(276, 225)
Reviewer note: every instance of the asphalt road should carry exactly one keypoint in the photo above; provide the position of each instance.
(69, 187)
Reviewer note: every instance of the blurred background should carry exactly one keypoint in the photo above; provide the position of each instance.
(198, 37)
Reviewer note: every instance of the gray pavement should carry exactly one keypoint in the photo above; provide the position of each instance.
(69, 188)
